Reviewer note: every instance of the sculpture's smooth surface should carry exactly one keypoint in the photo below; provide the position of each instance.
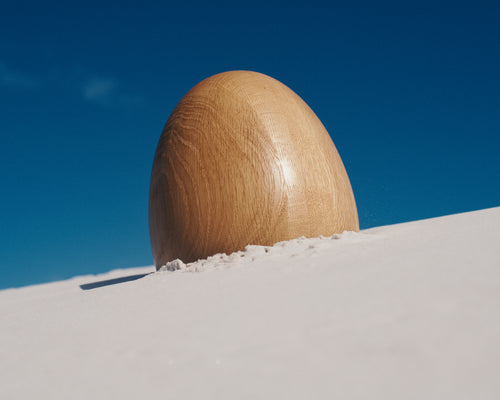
(243, 160)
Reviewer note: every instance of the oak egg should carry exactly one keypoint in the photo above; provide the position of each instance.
(243, 160)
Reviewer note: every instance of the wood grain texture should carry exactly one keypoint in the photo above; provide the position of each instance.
(243, 160)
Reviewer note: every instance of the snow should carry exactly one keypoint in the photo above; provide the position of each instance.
(408, 311)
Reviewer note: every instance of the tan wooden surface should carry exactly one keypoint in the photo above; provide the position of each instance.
(243, 160)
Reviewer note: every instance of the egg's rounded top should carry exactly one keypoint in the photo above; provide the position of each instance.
(243, 160)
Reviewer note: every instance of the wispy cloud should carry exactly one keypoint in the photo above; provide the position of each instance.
(99, 89)
(106, 92)
(15, 79)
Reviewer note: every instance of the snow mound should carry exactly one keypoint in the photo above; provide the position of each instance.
(406, 311)
(301, 247)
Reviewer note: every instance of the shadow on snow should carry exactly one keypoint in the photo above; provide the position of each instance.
(108, 282)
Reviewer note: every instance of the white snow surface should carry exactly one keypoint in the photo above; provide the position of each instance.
(408, 311)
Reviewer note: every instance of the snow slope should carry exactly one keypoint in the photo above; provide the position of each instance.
(409, 311)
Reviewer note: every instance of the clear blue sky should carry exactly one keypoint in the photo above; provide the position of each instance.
(409, 94)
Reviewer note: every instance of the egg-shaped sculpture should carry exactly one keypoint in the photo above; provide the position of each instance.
(243, 160)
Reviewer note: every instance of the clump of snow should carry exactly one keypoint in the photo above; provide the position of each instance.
(174, 265)
(396, 312)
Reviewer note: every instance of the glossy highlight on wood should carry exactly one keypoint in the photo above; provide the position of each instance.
(243, 160)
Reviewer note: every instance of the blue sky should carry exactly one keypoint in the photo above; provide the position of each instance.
(409, 94)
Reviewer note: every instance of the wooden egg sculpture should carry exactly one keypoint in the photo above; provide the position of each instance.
(243, 160)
